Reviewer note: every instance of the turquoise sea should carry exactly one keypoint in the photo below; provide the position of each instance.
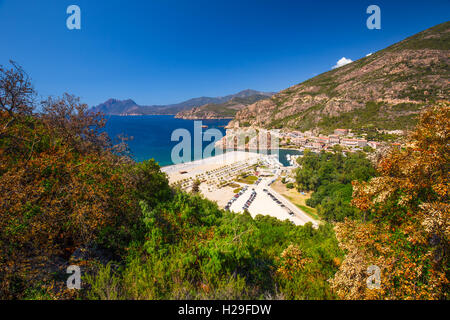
(151, 135)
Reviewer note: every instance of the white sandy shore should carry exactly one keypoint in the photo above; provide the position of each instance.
(262, 204)
(190, 169)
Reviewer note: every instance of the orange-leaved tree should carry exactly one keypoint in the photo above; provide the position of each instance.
(61, 184)
(406, 228)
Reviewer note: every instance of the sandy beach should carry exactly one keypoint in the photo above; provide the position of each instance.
(191, 169)
(216, 173)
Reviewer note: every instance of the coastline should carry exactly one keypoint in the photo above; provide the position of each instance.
(218, 182)
(217, 160)
(194, 162)
(202, 118)
(171, 114)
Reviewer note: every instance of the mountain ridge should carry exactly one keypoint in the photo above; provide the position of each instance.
(384, 90)
(226, 110)
(130, 107)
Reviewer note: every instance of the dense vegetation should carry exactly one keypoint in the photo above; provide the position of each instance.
(193, 250)
(374, 115)
(62, 186)
(68, 196)
(407, 236)
(330, 176)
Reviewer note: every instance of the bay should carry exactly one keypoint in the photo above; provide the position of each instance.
(151, 135)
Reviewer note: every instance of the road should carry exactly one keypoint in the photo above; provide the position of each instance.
(263, 204)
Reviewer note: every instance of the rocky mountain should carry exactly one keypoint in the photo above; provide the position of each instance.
(385, 90)
(129, 107)
(226, 110)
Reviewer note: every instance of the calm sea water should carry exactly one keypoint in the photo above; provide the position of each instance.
(152, 135)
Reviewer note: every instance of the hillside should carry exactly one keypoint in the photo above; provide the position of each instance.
(385, 90)
(129, 107)
(220, 110)
(70, 198)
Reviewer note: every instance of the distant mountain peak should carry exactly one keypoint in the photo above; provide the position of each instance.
(114, 100)
(114, 106)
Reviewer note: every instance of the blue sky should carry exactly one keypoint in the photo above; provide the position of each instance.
(167, 51)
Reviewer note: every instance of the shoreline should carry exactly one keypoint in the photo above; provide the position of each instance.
(218, 176)
(229, 152)
(172, 114)
(221, 159)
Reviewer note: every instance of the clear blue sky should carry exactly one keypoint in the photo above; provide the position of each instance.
(166, 51)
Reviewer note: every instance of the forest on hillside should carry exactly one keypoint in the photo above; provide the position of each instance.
(69, 196)
(330, 176)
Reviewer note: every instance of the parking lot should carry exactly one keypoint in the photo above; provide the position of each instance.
(259, 198)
